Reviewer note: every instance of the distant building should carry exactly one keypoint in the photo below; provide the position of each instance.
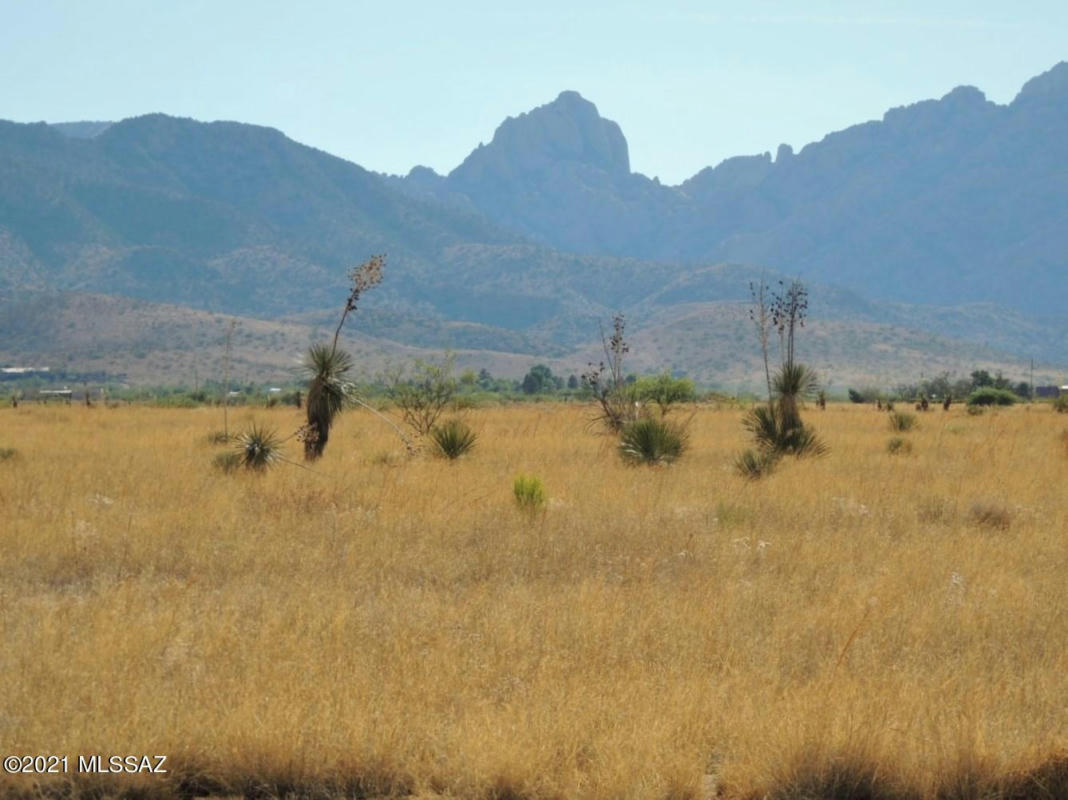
(1047, 391)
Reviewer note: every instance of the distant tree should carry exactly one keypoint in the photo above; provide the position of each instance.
(980, 378)
(539, 380)
(665, 391)
(572, 382)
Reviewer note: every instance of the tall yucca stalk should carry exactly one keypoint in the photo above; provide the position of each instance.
(328, 367)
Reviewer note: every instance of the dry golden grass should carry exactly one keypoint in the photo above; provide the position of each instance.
(864, 624)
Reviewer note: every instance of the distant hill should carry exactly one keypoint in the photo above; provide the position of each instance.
(937, 231)
(943, 201)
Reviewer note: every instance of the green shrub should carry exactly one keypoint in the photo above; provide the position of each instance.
(902, 421)
(989, 396)
(453, 438)
(975, 411)
(755, 464)
(8, 453)
(529, 492)
(899, 446)
(1060, 403)
(652, 441)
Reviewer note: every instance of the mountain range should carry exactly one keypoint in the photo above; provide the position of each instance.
(941, 225)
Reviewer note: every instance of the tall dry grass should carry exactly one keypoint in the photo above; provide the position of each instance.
(848, 626)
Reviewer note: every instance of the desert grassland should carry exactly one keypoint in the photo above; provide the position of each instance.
(864, 624)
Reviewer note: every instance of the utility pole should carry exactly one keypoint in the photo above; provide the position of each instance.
(1031, 390)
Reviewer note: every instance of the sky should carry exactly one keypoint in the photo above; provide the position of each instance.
(390, 85)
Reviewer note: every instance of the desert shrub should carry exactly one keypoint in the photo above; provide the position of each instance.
(652, 441)
(990, 515)
(453, 438)
(227, 462)
(755, 464)
(424, 395)
(975, 411)
(529, 492)
(665, 391)
(258, 448)
(989, 396)
(899, 446)
(8, 453)
(902, 421)
(1060, 403)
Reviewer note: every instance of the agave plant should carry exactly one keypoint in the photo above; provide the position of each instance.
(327, 369)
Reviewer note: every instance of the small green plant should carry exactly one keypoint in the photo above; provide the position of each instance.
(898, 445)
(652, 440)
(453, 438)
(755, 464)
(975, 411)
(529, 493)
(902, 421)
(258, 448)
(8, 453)
(1060, 403)
(989, 396)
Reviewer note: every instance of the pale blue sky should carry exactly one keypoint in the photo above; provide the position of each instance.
(393, 84)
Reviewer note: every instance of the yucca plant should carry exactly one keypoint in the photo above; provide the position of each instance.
(328, 367)
(652, 440)
(258, 448)
(777, 428)
(453, 438)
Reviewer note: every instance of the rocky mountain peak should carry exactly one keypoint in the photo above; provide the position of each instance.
(569, 130)
(1050, 85)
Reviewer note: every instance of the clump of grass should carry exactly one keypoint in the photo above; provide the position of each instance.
(902, 421)
(453, 438)
(898, 445)
(755, 464)
(990, 515)
(228, 461)
(652, 441)
(8, 453)
(219, 437)
(974, 410)
(258, 448)
(1060, 403)
(529, 492)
